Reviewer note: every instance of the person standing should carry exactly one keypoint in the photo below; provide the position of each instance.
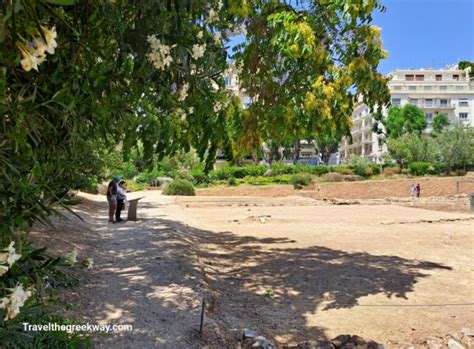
(112, 197)
(121, 199)
(413, 194)
(418, 190)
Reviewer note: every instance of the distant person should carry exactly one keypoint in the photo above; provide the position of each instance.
(418, 190)
(112, 197)
(121, 200)
(413, 190)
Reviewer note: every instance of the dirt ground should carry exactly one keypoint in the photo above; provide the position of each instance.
(392, 188)
(293, 267)
(397, 275)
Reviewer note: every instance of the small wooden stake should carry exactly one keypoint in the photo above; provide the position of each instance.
(202, 315)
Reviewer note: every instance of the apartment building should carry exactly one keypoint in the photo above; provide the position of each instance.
(447, 91)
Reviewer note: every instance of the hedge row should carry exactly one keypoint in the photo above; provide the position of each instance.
(426, 168)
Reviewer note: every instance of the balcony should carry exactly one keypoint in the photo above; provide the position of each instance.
(436, 105)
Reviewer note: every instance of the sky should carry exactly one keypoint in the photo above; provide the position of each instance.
(426, 33)
(423, 33)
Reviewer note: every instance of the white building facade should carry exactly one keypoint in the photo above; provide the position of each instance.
(444, 91)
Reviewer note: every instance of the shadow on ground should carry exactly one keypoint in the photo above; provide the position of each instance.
(154, 272)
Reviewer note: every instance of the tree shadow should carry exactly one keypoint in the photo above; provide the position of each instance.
(156, 270)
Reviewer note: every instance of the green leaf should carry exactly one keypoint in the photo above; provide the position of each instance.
(62, 2)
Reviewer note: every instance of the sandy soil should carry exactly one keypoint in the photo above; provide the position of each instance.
(396, 274)
(390, 273)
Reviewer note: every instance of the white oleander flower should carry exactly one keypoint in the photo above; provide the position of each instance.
(12, 258)
(34, 52)
(11, 248)
(217, 107)
(160, 54)
(3, 302)
(200, 34)
(71, 257)
(213, 16)
(198, 51)
(3, 270)
(183, 93)
(217, 37)
(50, 36)
(190, 110)
(17, 299)
(3, 257)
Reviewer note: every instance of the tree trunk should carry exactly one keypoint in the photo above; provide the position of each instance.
(296, 151)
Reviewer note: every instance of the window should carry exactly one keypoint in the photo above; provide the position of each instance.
(412, 88)
(409, 77)
(427, 88)
(420, 77)
(463, 116)
(396, 101)
(456, 77)
(428, 102)
(429, 117)
(443, 88)
(463, 103)
(459, 88)
(397, 88)
(443, 102)
(227, 81)
(413, 101)
(439, 77)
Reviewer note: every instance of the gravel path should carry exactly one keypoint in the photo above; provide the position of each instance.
(146, 274)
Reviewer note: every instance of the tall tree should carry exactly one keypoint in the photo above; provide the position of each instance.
(408, 119)
(304, 62)
(440, 121)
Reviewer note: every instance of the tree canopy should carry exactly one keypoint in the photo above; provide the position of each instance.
(78, 78)
(407, 119)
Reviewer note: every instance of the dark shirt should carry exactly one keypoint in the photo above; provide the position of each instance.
(112, 189)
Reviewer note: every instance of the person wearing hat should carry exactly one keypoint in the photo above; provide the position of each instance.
(112, 197)
(121, 199)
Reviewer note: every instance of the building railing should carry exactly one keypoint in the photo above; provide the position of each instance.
(436, 105)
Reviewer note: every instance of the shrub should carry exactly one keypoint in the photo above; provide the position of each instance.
(423, 168)
(390, 171)
(344, 170)
(352, 178)
(127, 170)
(300, 180)
(361, 166)
(322, 169)
(333, 177)
(375, 169)
(283, 179)
(149, 178)
(134, 186)
(460, 172)
(232, 181)
(280, 168)
(198, 176)
(238, 172)
(180, 187)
